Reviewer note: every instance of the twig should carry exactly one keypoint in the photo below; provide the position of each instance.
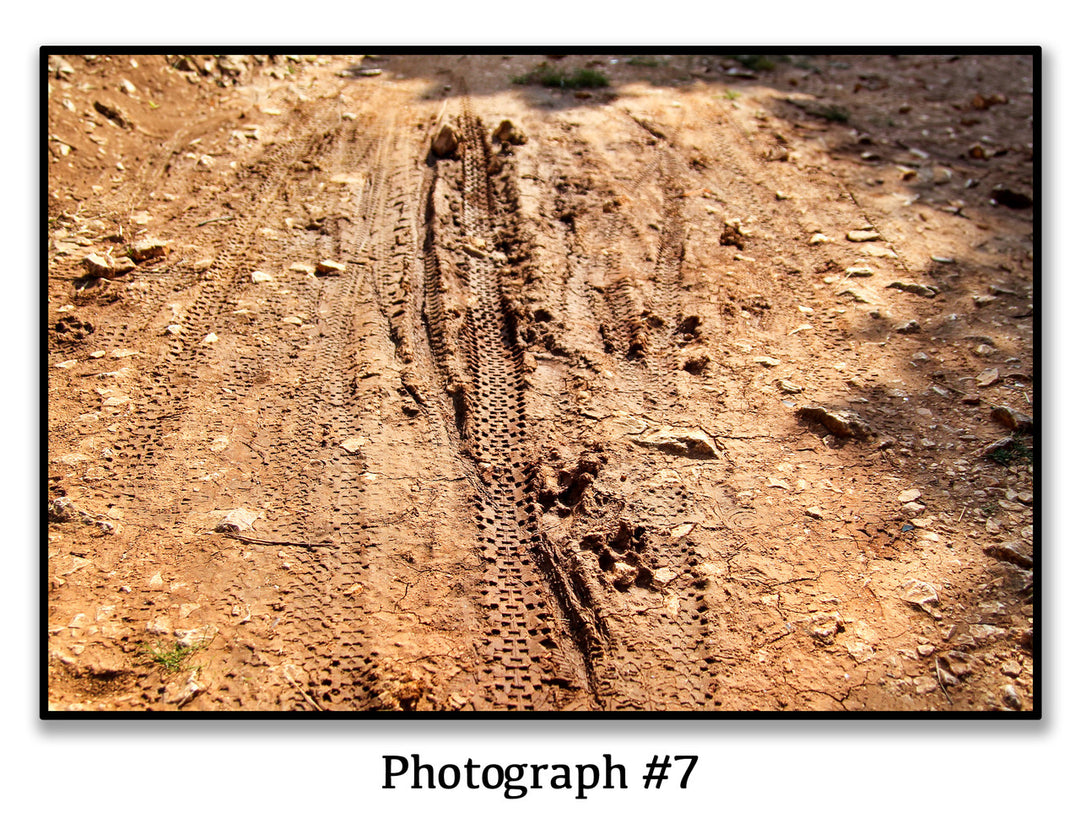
(303, 694)
(215, 220)
(249, 540)
(941, 683)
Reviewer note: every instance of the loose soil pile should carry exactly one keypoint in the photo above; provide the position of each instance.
(538, 382)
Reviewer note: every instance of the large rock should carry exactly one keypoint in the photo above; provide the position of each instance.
(445, 144)
(839, 423)
(691, 443)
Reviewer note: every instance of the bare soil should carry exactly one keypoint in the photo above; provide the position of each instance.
(675, 394)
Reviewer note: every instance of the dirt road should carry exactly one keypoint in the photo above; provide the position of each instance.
(542, 383)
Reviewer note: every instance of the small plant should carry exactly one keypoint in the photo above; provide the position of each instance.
(833, 113)
(172, 659)
(731, 95)
(645, 61)
(549, 76)
(756, 63)
(1010, 453)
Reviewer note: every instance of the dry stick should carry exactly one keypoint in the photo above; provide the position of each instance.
(215, 220)
(303, 694)
(249, 540)
(941, 683)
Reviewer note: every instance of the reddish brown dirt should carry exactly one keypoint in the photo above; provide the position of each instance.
(545, 436)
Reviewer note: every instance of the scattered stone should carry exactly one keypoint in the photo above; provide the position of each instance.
(789, 387)
(815, 512)
(1011, 669)
(920, 595)
(860, 652)
(304, 268)
(863, 235)
(173, 329)
(1009, 697)
(839, 423)
(181, 694)
(858, 272)
(195, 636)
(292, 320)
(623, 575)
(210, 338)
(446, 142)
(1017, 553)
(987, 378)
(1011, 419)
(824, 627)
(767, 361)
(113, 114)
(819, 238)
(1010, 199)
(909, 495)
(911, 326)
(104, 266)
(924, 684)
(328, 267)
(237, 521)
(693, 443)
(508, 133)
(146, 249)
(918, 289)
(925, 649)
(353, 445)
(258, 277)
(913, 508)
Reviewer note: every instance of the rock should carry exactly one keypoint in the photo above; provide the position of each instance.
(144, 250)
(210, 338)
(352, 445)
(909, 495)
(1011, 419)
(1010, 199)
(819, 238)
(446, 142)
(839, 423)
(1017, 553)
(693, 443)
(858, 272)
(1009, 697)
(918, 289)
(925, 684)
(863, 235)
(789, 387)
(815, 512)
(113, 114)
(1011, 669)
(181, 694)
(623, 575)
(913, 508)
(925, 649)
(328, 267)
(911, 326)
(920, 595)
(104, 266)
(987, 378)
(258, 277)
(696, 363)
(292, 320)
(824, 627)
(508, 133)
(237, 521)
(767, 361)
(860, 652)
(195, 636)
(307, 269)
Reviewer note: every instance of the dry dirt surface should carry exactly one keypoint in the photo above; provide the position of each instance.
(453, 383)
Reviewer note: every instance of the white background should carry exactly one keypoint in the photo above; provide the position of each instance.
(808, 776)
